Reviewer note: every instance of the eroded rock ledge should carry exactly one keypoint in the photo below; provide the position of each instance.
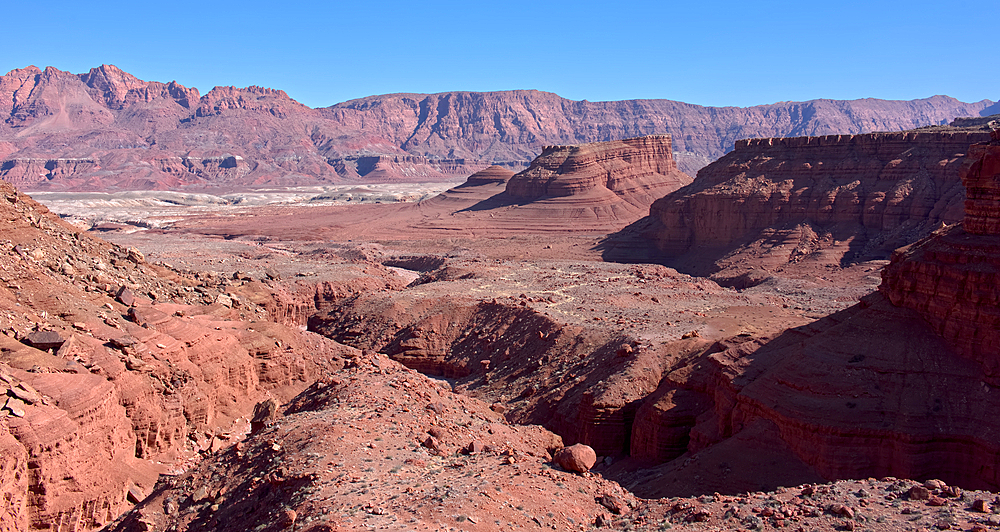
(879, 182)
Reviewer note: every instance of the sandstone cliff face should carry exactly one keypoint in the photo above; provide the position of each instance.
(880, 181)
(829, 201)
(901, 384)
(125, 125)
(13, 483)
(981, 177)
(78, 451)
(950, 278)
(516, 125)
(871, 391)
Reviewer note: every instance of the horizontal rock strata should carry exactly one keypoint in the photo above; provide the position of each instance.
(108, 130)
(981, 177)
(637, 170)
(951, 277)
(899, 385)
(879, 182)
(596, 187)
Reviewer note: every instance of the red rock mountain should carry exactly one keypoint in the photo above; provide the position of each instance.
(106, 130)
(515, 125)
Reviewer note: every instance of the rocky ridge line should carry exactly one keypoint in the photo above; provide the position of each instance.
(108, 130)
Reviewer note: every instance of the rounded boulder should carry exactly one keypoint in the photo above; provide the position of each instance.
(579, 458)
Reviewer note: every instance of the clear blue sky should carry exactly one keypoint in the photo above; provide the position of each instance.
(698, 51)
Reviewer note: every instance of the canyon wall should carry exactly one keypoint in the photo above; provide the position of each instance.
(879, 181)
(778, 203)
(516, 125)
(108, 130)
(981, 177)
(901, 384)
(950, 277)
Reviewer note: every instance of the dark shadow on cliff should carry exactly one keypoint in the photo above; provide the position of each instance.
(870, 391)
(497, 201)
(751, 259)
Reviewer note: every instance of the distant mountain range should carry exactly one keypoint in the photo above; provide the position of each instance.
(108, 130)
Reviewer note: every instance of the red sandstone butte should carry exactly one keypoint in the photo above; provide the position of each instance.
(633, 169)
(603, 185)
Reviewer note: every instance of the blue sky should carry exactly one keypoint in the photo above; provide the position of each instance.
(704, 52)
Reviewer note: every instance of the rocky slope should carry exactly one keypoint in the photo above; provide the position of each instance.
(113, 370)
(378, 445)
(775, 204)
(425, 458)
(107, 130)
(731, 412)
